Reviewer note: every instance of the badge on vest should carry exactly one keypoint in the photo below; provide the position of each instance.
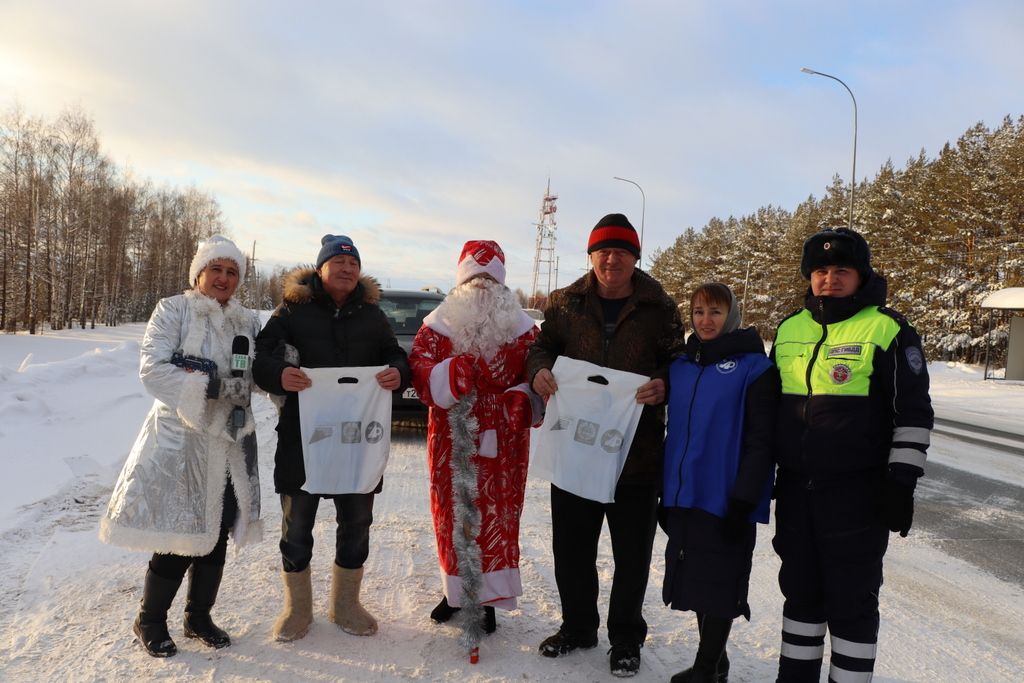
(726, 366)
(841, 373)
(845, 350)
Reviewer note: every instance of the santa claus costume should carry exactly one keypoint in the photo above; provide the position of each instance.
(469, 366)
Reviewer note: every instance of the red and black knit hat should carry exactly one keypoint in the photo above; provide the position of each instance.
(614, 231)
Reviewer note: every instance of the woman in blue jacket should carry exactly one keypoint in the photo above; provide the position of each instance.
(718, 472)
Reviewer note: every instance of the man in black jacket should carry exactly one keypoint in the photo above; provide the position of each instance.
(330, 317)
(852, 433)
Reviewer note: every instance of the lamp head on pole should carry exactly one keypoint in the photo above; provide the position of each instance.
(853, 174)
(643, 204)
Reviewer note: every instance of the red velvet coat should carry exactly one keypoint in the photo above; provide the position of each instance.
(501, 458)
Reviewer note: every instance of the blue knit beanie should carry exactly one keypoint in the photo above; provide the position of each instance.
(335, 245)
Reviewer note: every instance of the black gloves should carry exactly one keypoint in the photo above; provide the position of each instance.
(898, 505)
(736, 522)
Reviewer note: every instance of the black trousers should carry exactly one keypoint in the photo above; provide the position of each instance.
(173, 567)
(831, 540)
(576, 529)
(354, 514)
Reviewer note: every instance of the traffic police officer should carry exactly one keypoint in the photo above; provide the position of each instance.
(853, 428)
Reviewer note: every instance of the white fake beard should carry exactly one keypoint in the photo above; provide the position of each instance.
(481, 318)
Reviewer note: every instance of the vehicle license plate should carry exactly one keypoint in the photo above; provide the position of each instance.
(410, 393)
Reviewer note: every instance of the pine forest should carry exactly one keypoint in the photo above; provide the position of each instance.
(83, 241)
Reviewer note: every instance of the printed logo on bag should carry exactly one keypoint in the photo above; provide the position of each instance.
(726, 366)
(611, 441)
(374, 432)
(841, 373)
(321, 433)
(845, 350)
(561, 424)
(351, 432)
(586, 432)
(915, 359)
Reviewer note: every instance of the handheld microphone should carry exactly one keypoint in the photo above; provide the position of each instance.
(239, 364)
(239, 356)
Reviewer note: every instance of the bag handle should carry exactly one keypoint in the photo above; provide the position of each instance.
(596, 379)
(348, 380)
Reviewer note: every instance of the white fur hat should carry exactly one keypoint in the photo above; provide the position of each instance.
(211, 249)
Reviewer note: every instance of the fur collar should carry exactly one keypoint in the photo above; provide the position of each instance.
(303, 285)
(645, 287)
(232, 318)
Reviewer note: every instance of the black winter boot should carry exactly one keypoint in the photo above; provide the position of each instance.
(150, 626)
(708, 665)
(204, 582)
(443, 612)
(490, 620)
(723, 668)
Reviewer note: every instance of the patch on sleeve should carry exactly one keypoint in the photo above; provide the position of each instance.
(915, 359)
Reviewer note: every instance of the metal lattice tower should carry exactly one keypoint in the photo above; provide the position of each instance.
(544, 266)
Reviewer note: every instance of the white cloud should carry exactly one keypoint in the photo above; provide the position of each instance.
(415, 126)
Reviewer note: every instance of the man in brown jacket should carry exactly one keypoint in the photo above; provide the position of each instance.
(618, 317)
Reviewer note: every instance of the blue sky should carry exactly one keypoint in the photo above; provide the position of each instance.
(414, 126)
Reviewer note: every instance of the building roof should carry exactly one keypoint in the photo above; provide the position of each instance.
(1009, 298)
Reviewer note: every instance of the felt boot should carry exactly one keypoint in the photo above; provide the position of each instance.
(297, 615)
(345, 609)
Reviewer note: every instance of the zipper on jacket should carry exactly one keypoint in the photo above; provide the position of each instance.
(807, 379)
(689, 422)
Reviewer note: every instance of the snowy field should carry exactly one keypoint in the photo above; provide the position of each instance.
(70, 412)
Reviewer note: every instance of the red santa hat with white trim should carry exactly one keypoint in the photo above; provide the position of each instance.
(480, 257)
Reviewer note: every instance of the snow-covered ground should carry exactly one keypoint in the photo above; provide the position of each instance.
(69, 415)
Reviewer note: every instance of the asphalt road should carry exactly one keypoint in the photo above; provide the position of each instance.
(978, 520)
(975, 519)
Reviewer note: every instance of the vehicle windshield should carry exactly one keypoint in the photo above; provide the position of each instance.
(406, 312)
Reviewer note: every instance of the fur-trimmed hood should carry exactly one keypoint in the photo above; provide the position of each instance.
(303, 285)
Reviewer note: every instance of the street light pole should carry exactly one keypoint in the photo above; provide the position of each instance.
(643, 206)
(853, 176)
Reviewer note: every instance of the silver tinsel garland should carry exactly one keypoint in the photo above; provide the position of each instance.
(465, 492)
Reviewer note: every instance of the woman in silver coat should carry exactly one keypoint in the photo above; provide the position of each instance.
(191, 476)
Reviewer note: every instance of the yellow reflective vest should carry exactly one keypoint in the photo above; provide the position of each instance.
(854, 393)
(835, 360)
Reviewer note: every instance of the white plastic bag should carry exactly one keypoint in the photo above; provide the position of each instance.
(345, 418)
(588, 428)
